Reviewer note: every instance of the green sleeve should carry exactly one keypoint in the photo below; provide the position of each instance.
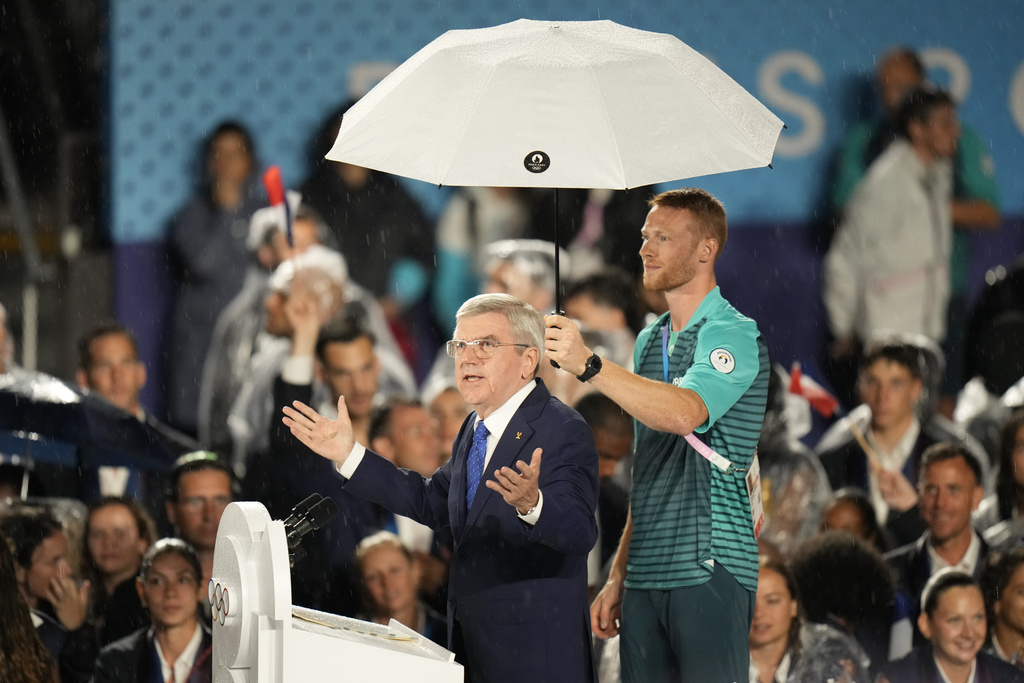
(850, 166)
(975, 170)
(725, 364)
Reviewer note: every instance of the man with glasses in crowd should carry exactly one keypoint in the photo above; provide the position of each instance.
(200, 487)
(517, 607)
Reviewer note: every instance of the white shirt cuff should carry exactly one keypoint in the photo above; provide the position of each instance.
(534, 515)
(297, 370)
(348, 468)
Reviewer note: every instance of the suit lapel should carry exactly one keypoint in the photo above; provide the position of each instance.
(457, 483)
(510, 448)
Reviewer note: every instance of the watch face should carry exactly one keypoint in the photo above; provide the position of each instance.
(593, 367)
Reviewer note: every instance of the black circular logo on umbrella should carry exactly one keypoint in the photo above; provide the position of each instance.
(537, 162)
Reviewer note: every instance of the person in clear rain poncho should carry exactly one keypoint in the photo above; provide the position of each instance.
(785, 649)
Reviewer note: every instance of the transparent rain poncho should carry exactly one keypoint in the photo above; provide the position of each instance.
(827, 655)
(794, 486)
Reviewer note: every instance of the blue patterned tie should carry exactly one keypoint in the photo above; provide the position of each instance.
(475, 463)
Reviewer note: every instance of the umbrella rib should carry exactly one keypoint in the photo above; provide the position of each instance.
(753, 101)
(699, 84)
(465, 124)
(743, 133)
(604, 110)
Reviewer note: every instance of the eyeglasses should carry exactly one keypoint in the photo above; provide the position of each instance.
(196, 504)
(484, 348)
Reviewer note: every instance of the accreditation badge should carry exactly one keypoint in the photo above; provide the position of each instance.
(754, 491)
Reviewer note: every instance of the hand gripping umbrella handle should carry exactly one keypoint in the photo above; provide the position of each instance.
(562, 313)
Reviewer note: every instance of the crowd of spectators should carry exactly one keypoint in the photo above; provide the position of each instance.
(864, 529)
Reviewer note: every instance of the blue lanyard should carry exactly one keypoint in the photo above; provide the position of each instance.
(664, 348)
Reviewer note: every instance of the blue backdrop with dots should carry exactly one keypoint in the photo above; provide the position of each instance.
(180, 66)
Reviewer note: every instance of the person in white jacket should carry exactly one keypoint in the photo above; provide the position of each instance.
(888, 267)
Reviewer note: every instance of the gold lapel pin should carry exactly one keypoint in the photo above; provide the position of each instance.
(519, 434)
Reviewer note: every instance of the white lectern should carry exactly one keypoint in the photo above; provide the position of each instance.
(260, 637)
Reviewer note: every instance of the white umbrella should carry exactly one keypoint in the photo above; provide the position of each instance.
(587, 104)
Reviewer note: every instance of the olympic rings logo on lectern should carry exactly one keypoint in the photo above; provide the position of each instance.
(219, 601)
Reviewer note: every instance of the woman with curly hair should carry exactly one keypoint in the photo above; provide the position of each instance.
(785, 649)
(851, 511)
(845, 582)
(23, 658)
(58, 603)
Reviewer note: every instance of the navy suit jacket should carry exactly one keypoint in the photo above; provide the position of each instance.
(518, 591)
(919, 667)
(846, 465)
(133, 659)
(913, 567)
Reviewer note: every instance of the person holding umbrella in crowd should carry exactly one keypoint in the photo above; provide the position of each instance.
(683, 582)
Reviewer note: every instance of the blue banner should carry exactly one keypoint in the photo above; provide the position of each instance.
(178, 67)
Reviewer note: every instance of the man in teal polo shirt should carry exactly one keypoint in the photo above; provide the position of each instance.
(683, 581)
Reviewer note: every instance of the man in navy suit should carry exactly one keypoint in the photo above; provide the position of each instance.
(517, 601)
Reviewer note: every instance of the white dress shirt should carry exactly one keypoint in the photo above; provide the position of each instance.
(893, 461)
(179, 670)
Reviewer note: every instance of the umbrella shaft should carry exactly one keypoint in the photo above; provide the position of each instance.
(558, 278)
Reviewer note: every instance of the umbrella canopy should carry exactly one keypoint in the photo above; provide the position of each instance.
(557, 104)
(43, 420)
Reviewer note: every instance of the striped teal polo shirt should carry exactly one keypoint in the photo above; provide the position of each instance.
(687, 513)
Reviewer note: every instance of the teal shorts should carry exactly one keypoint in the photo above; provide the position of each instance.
(698, 634)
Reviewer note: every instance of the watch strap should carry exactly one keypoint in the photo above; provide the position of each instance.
(593, 367)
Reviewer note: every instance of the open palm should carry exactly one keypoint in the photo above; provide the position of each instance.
(333, 439)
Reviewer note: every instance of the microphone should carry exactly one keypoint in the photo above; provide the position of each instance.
(318, 515)
(295, 555)
(300, 510)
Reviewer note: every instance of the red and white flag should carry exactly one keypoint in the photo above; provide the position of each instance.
(799, 384)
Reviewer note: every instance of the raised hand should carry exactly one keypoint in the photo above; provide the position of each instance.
(70, 601)
(897, 491)
(333, 439)
(520, 490)
(303, 316)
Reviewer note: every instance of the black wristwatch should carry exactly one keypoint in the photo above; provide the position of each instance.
(593, 367)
